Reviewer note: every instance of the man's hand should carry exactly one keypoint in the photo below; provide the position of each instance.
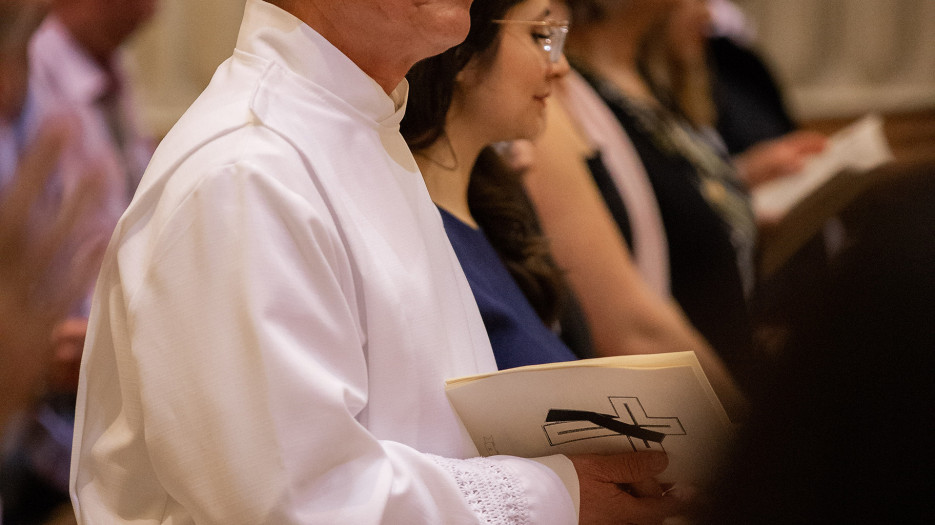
(620, 489)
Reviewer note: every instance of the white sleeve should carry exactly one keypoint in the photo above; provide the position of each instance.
(242, 378)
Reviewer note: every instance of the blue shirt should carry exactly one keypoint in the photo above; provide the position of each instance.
(517, 334)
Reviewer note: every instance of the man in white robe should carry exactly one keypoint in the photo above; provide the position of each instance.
(279, 306)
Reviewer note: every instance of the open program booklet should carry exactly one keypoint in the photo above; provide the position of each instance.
(616, 404)
(856, 149)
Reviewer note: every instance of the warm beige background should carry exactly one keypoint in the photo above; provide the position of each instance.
(835, 57)
(173, 58)
(844, 57)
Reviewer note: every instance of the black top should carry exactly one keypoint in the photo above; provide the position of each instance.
(705, 276)
(749, 104)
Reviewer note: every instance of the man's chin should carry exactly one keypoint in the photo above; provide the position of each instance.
(451, 27)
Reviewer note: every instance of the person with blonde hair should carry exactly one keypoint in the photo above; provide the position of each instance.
(678, 63)
(710, 231)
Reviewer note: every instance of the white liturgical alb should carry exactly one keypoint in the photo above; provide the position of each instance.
(276, 316)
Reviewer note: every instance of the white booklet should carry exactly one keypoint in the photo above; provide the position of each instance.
(858, 148)
(606, 405)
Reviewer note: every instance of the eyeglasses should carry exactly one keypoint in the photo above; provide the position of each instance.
(553, 42)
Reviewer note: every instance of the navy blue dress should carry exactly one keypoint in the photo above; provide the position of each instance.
(517, 334)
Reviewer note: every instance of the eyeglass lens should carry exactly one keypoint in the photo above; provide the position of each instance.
(556, 42)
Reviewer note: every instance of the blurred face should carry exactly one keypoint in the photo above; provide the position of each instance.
(103, 25)
(123, 17)
(504, 96)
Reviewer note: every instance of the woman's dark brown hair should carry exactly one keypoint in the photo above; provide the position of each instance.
(496, 196)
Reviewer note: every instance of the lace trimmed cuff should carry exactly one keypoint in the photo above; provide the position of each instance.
(493, 491)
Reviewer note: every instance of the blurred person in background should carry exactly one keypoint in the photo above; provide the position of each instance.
(74, 69)
(50, 247)
(680, 63)
(75, 62)
(710, 230)
(750, 106)
(720, 85)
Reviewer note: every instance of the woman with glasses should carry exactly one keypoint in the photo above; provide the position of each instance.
(493, 88)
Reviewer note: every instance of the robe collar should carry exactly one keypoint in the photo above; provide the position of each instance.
(274, 34)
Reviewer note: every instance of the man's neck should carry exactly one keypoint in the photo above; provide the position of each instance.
(331, 20)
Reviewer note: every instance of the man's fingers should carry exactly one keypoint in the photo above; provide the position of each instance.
(634, 467)
(624, 468)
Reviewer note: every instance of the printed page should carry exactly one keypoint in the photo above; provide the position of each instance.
(595, 406)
